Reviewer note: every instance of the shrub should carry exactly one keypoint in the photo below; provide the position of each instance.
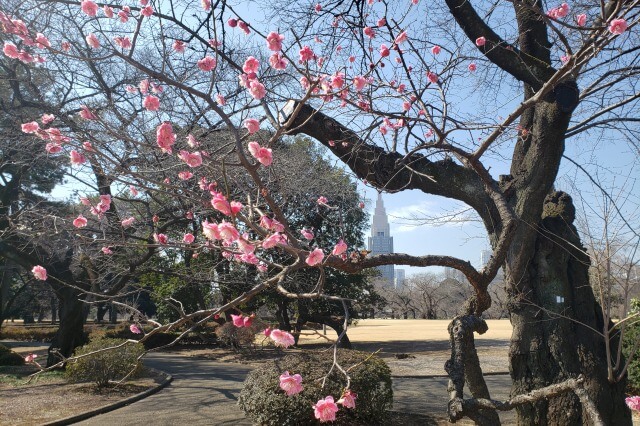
(28, 334)
(8, 357)
(105, 366)
(265, 403)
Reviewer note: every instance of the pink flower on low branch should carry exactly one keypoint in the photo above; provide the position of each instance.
(618, 26)
(325, 410)
(211, 231)
(188, 238)
(42, 41)
(165, 138)
(228, 232)
(322, 200)
(260, 153)
(80, 222)
(39, 272)
(274, 41)
(220, 203)
(291, 385)
(481, 41)
(47, 118)
(581, 19)
(122, 42)
(348, 399)
(185, 175)
(89, 7)
(272, 240)
(282, 338)
(30, 358)
(633, 402)
(133, 191)
(238, 320)
(339, 248)
(252, 125)
(151, 103)
(135, 329)
(207, 63)
(315, 257)
(107, 250)
(147, 11)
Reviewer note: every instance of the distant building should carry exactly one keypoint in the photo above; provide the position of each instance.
(400, 279)
(380, 241)
(454, 274)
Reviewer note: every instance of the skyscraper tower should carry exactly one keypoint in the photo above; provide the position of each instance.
(380, 241)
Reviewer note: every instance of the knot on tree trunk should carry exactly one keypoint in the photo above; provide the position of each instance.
(559, 204)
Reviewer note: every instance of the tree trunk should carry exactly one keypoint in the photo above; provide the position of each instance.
(545, 347)
(70, 334)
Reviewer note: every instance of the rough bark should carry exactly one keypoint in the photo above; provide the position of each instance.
(70, 334)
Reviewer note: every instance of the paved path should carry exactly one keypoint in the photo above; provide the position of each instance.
(205, 392)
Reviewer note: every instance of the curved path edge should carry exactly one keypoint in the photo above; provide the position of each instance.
(119, 404)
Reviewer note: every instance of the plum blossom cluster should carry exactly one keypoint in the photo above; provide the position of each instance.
(633, 402)
(325, 409)
(242, 321)
(19, 29)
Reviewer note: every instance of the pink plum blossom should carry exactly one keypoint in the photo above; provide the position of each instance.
(207, 63)
(238, 320)
(581, 19)
(161, 238)
(281, 338)
(307, 234)
(211, 231)
(10, 50)
(278, 62)
(80, 222)
(250, 65)
(257, 90)
(165, 138)
(260, 153)
(42, 41)
(401, 38)
(359, 82)
(322, 200)
(481, 41)
(107, 250)
(436, 50)
(39, 272)
(188, 238)
(618, 26)
(274, 41)
(232, 22)
(31, 127)
(348, 399)
(325, 410)
(133, 191)
(76, 158)
(185, 175)
(315, 257)
(122, 42)
(306, 54)
(147, 11)
(244, 27)
(220, 203)
(291, 385)
(89, 7)
(339, 248)
(228, 232)
(384, 51)
(151, 103)
(433, 77)
(135, 329)
(47, 118)
(193, 159)
(86, 114)
(128, 222)
(30, 358)
(472, 67)
(220, 100)
(92, 41)
(206, 5)
(252, 125)
(633, 402)
(108, 11)
(369, 32)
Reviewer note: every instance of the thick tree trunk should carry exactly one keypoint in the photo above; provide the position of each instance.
(70, 334)
(554, 321)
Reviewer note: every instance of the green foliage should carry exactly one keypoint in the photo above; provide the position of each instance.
(164, 287)
(107, 365)
(265, 403)
(631, 340)
(8, 357)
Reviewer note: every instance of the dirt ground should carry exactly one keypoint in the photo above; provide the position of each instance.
(419, 347)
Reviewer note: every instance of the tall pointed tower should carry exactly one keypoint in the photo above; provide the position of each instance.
(380, 241)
